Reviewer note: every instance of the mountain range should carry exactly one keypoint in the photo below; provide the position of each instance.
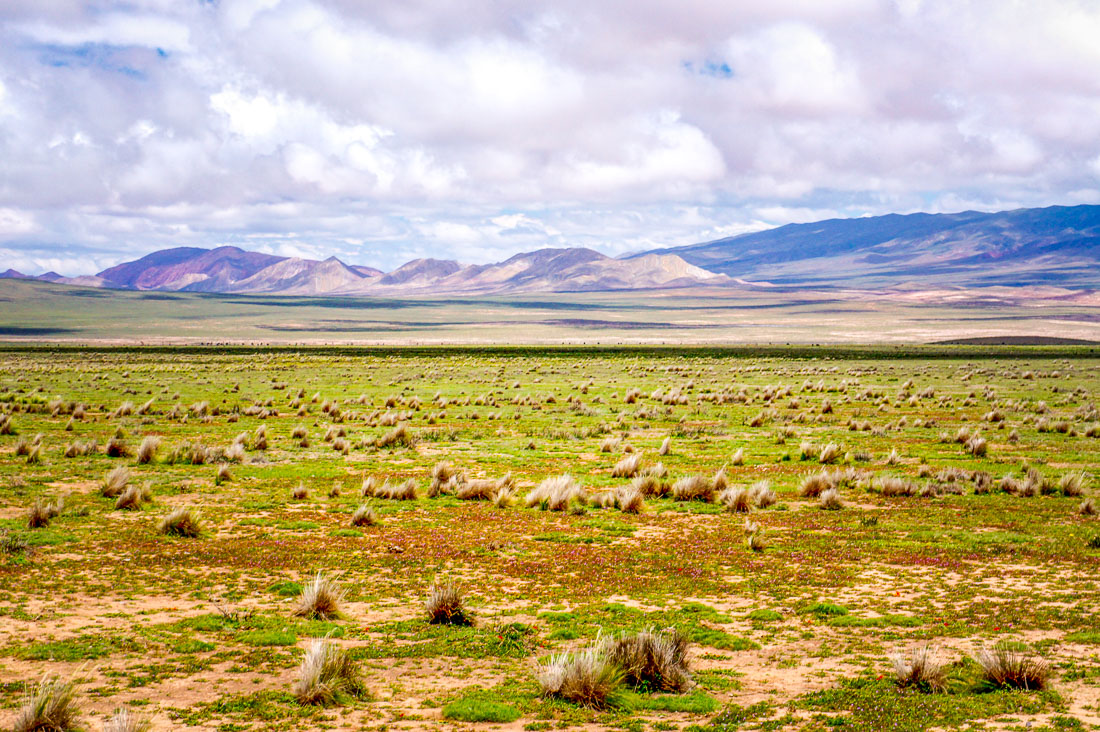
(1057, 245)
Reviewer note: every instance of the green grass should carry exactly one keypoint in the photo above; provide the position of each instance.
(480, 710)
(960, 570)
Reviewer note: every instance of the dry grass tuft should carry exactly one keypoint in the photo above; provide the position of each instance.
(736, 500)
(327, 675)
(921, 670)
(182, 522)
(117, 447)
(693, 488)
(1004, 668)
(444, 479)
(115, 482)
(132, 498)
(628, 467)
(300, 493)
(42, 512)
(126, 721)
(147, 450)
(666, 445)
(829, 454)
(1087, 508)
(556, 494)
(1072, 484)
(762, 494)
(815, 484)
(402, 492)
(445, 604)
(364, 516)
(49, 706)
(587, 678)
(399, 435)
(654, 660)
(320, 599)
(484, 489)
(630, 500)
(830, 500)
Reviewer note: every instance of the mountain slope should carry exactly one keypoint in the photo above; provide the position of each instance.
(544, 270)
(1055, 245)
(296, 276)
(197, 270)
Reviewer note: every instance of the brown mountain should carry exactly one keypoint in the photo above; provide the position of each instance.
(188, 268)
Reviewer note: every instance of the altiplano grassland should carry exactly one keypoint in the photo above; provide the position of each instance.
(280, 539)
(43, 312)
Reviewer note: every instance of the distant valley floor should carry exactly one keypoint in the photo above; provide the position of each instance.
(34, 311)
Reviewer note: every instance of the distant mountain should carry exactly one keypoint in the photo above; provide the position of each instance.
(1058, 245)
(14, 274)
(300, 277)
(545, 270)
(188, 268)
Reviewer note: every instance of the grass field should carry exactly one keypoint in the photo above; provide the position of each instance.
(846, 507)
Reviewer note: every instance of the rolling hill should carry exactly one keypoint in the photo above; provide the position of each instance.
(1058, 245)
(1055, 246)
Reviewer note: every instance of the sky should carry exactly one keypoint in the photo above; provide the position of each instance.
(387, 130)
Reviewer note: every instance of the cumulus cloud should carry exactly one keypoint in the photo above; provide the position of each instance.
(386, 130)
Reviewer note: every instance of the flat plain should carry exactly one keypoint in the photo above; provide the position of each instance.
(42, 312)
(798, 518)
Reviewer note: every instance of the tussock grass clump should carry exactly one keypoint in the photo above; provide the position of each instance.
(893, 486)
(586, 678)
(694, 488)
(652, 659)
(398, 436)
(300, 492)
(132, 498)
(761, 494)
(815, 484)
(756, 541)
(182, 522)
(830, 500)
(364, 516)
(49, 706)
(829, 454)
(445, 604)
(609, 444)
(738, 457)
(630, 500)
(921, 670)
(80, 448)
(223, 475)
(320, 599)
(666, 445)
(736, 500)
(115, 482)
(444, 479)
(42, 512)
(1087, 507)
(401, 492)
(1004, 668)
(124, 720)
(483, 489)
(628, 467)
(117, 447)
(147, 450)
(328, 675)
(977, 446)
(555, 494)
(1072, 484)
(259, 438)
(299, 432)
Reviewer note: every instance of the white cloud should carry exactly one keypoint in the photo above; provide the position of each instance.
(461, 129)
